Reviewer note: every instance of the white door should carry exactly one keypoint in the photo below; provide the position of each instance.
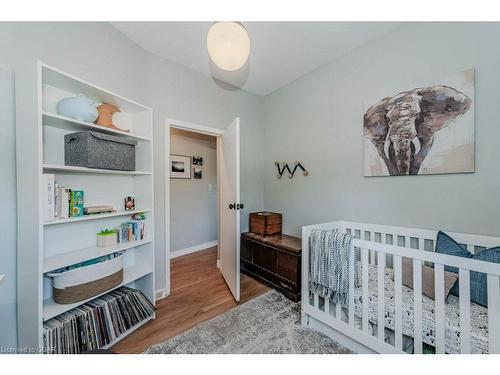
(228, 147)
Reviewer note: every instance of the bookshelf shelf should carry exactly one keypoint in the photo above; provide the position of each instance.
(55, 244)
(63, 169)
(94, 217)
(128, 332)
(130, 274)
(80, 255)
(63, 122)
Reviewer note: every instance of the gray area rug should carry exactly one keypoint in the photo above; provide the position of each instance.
(268, 324)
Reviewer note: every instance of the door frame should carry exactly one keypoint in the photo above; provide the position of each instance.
(196, 128)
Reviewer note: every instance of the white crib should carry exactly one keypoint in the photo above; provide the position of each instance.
(378, 246)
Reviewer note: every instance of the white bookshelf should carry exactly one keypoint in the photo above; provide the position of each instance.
(54, 262)
(63, 122)
(63, 242)
(126, 333)
(54, 168)
(95, 217)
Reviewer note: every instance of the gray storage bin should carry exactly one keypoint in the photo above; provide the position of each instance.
(97, 150)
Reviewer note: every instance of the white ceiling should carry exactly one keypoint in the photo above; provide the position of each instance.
(281, 51)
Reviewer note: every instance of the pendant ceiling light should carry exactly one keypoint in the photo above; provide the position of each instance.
(228, 45)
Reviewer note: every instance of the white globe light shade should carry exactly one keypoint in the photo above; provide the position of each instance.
(228, 45)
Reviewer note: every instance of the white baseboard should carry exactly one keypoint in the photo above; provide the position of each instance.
(193, 249)
(159, 294)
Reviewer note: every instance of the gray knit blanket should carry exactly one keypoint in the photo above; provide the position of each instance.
(329, 264)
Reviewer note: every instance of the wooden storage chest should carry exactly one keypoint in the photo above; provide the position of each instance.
(265, 223)
(274, 260)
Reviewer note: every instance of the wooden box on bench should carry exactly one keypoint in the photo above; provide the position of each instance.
(265, 223)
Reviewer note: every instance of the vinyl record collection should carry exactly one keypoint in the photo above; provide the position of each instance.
(96, 323)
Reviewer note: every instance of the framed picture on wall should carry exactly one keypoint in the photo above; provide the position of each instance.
(197, 160)
(180, 166)
(197, 173)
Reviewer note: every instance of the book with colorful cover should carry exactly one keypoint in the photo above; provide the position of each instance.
(76, 203)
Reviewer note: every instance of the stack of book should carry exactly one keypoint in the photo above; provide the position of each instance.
(96, 323)
(60, 202)
(132, 230)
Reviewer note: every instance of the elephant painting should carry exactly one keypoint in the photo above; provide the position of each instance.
(402, 129)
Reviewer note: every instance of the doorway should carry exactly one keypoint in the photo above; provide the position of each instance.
(193, 192)
(226, 191)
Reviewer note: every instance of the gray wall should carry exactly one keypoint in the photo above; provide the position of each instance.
(318, 120)
(100, 54)
(8, 333)
(193, 208)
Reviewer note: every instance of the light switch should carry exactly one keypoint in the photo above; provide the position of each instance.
(210, 187)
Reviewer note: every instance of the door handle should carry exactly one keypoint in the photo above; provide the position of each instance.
(235, 206)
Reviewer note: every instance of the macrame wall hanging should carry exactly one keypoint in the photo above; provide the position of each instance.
(281, 169)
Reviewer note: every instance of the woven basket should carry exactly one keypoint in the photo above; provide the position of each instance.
(86, 282)
(88, 290)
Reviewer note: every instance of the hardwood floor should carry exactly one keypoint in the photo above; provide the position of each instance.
(198, 293)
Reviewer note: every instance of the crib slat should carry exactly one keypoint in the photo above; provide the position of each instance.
(364, 263)
(464, 291)
(326, 305)
(439, 310)
(338, 311)
(398, 285)
(493, 315)
(380, 295)
(352, 268)
(417, 306)
(316, 300)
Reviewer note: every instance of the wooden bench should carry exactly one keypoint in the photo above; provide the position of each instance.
(275, 260)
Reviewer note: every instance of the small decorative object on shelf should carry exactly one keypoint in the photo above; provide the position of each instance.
(106, 112)
(78, 107)
(197, 173)
(281, 170)
(129, 204)
(139, 216)
(106, 238)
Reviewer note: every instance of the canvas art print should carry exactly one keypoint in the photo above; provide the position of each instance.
(426, 130)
